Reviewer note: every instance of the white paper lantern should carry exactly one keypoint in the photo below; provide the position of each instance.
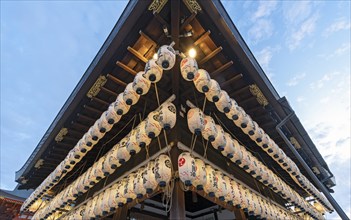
(247, 124)
(188, 68)
(141, 136)
(214, 92)
(120, 198)
(132, 144)
(104, 125)
(221, 188)
(258, 134)
(112, 201)
(266, 141)
(153, 127)
(120, 106)
(250, 128)
(211, 181)
(200, 175)
(220, 140)
(224, 103)
(153, 72)
(129, 193)
(111, 115)
(91, 214)
(98, 173)
(163, 170)
(130, 96)
(141, 85)
(123, 154)
(229, 197)
(202, 81)
(233, 111)
(82, 146)
(209, 132)
(104, 203)
(149, 179)
(186, 168)
(112, 159)
(229, 149)
(238, 155)
(94, 131)
(240, 119)
(195, 119)
(97, 207)
(88, 139)
(166, 57)
(139, 189)
(80, 186)
(167, 116)
(72, 157)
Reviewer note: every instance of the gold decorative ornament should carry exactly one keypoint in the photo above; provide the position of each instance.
(295, 143)
(259, 95)
(95, 89)
(61, 134)
(157, 5)
(39, 163)
(192, 5)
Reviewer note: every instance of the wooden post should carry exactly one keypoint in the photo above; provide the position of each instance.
(239, 214)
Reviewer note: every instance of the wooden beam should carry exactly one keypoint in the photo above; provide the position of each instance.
(93, 109)
(239, 214)
(148, 38)
(222, 68)
(232, 80)
(202, 38)
(86, 117)
(100, 101)
(116, 80)
(239, 91)
(161, 20)
(83, 127)
(109, 91)
(137, 54)
(187, 21)
(126, 68)
(210, 55)
(243, 102)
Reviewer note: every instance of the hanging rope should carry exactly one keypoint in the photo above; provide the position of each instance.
(157, 97)
(195, 97)
(204, 105)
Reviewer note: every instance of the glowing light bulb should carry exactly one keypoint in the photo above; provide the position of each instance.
(192, 53)
(155, 56)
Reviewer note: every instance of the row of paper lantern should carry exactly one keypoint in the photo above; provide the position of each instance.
(203, 124)
(134, 186)
(227, 105)
(140, 86)
(194, 172)
(120, 153)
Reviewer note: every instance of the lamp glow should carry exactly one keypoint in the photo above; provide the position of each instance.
(155, 56)
(192, 53)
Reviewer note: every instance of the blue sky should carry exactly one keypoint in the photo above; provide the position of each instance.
(303, 46)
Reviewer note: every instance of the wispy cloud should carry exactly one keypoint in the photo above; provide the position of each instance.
(320, 83)
(300, 99)
(264, 58)
(264, 9)
(339, 25)
(295, 12)
(261, 29)
(345, 47)
(296, 79)
(305, 29)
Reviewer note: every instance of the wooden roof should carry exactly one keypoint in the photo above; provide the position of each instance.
(135, 38)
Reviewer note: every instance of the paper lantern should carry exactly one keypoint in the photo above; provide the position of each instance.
(153, 127)
(94, 131)
(224, 103)
(186, 168)
(214, 91)
(123, 154)
(90, 213)
(234, 112)
(82, 146)
(72, 158)
(141, 136)
(238, 155)
(129, 193)
(104, 125)
(195, 119)
(149, 180)
(120, 198)
(139, 189)
(167, 115)
(188, 68)
(166, 57)
(229, 149)
(120, 106)
(132, 145)
(221, 187)
(130, 96)
(258, 134)
(202, 81)
(112, 159)
(220, 140)
(209, 132)
(111, 199)
(163, 170)
(141, 85)
(153, 72)
(240, 118)
(200, 175)
(97, 208)
(211, 181)
(266, 141)
(273, 150)
(98, 173)
(229, 197)
(111, 115)
(88, 139)
(80, 186)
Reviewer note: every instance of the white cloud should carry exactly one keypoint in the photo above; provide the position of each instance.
(297, 11)
(296, 79)
(320, 83)
(264, 58)
(305, 29)
(339, 25)
(345, 47)
(300, 99)
(261, 29)
(265, 8)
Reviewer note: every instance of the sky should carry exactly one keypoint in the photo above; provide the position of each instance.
(303, 47)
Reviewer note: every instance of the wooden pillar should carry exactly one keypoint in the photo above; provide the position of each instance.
(121, 213)
(239, 214)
